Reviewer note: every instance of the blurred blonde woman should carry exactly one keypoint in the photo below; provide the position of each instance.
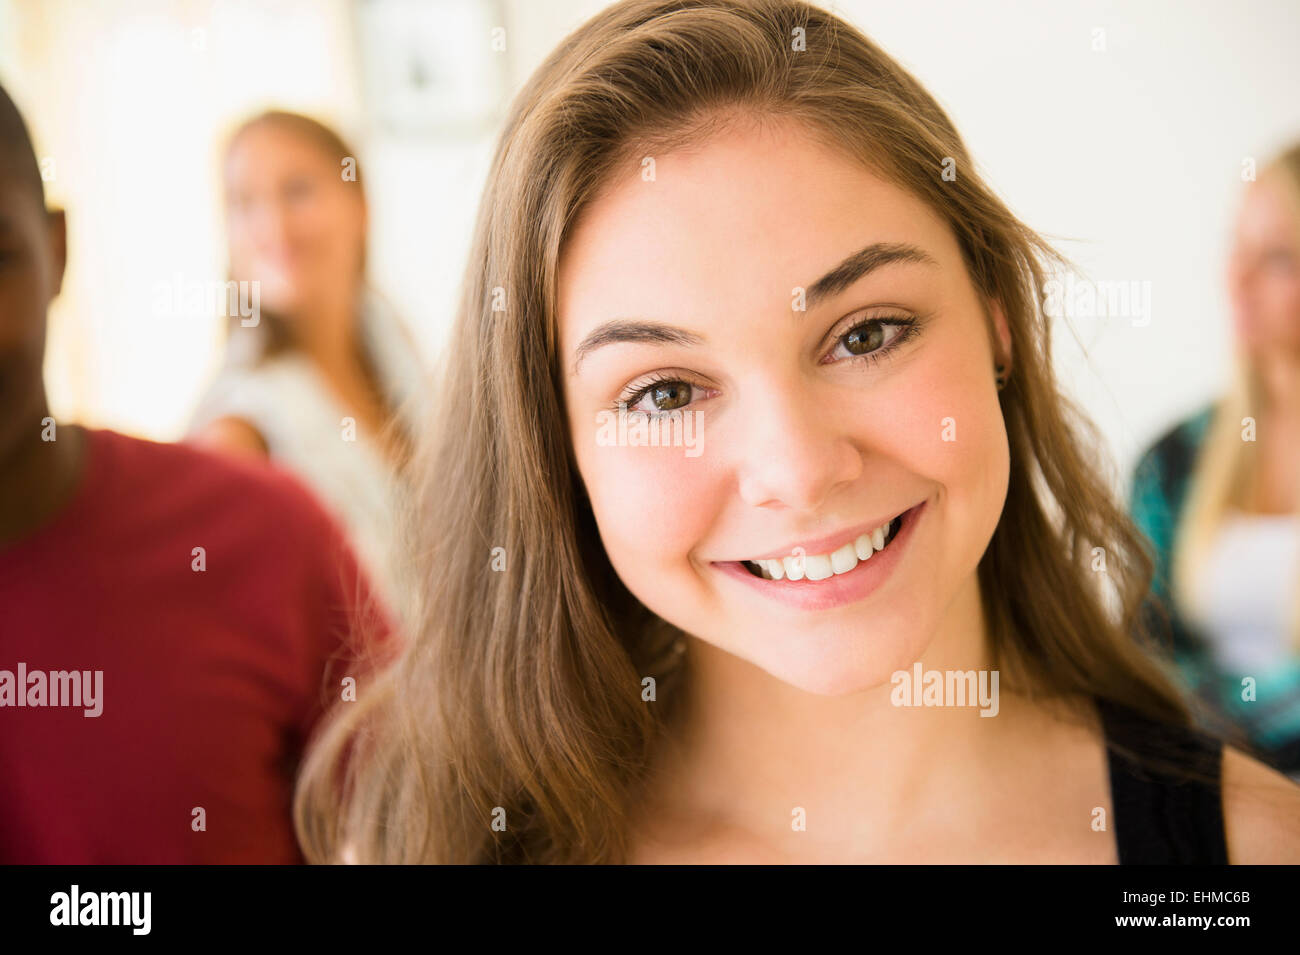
(1219, 493)
(731, 222)
(324, 383)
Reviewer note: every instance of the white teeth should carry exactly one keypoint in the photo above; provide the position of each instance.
(822, 566)
(817, 567)
(844, 559)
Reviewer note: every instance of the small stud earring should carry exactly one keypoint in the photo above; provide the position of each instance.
(1001, 377)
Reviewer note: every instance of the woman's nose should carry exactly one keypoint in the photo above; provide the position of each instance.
(264, 222)
(794, 453)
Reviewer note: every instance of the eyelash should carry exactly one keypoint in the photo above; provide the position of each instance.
(907, 329)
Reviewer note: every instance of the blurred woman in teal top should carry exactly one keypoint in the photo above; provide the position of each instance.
(1219, 495)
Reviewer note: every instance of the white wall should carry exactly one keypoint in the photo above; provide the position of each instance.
(1130, 155)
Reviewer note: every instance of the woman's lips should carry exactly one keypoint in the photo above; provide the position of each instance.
(838, 589)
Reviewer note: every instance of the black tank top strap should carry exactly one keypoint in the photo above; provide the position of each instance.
(1159, 816)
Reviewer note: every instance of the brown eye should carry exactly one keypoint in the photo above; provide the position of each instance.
(670, 395)
(299, 188)
(864, 338)
(659, 397)
(874, 339)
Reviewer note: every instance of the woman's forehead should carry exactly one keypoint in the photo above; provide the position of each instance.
(729, 216)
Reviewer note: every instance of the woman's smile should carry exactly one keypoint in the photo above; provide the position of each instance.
(821, 581)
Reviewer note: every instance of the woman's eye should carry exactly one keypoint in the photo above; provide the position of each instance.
(869, 340)
(298, 188)
(870, 337)
(662, 396)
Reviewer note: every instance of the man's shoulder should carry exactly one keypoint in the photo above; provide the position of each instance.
(188, 477)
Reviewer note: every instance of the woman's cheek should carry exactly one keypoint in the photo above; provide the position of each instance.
(330, 232)
(653, 506)
(950, 431)
(1285, 304)
(978, 469)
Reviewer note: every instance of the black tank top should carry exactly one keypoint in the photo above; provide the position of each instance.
(1159, 819)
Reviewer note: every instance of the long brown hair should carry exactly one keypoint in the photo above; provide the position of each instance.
(518, 697)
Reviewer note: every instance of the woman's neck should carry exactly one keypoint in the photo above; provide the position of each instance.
(753, 748)
(328, 335)
(331, 341)
(1274, 483)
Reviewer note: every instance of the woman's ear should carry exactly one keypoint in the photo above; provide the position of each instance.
(1002, 336)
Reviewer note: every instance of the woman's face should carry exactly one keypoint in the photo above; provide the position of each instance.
(814, 426)
(293, 222)
(1264, 271)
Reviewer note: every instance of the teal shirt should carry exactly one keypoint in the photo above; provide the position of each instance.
(1271, 722)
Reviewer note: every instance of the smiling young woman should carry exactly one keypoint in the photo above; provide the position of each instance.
(748, 212)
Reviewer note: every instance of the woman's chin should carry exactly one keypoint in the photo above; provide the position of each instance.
(830, 682)
(838, 670)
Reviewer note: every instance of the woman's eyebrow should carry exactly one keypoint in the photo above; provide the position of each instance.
(862, 263)
(633, 330)
(856, 266)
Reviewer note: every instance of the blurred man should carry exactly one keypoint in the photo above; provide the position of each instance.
(172, 624)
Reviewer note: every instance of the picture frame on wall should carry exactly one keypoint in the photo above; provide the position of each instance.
(433, 68)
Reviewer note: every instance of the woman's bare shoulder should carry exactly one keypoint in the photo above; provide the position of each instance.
(1261, 811)
(230, 433)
